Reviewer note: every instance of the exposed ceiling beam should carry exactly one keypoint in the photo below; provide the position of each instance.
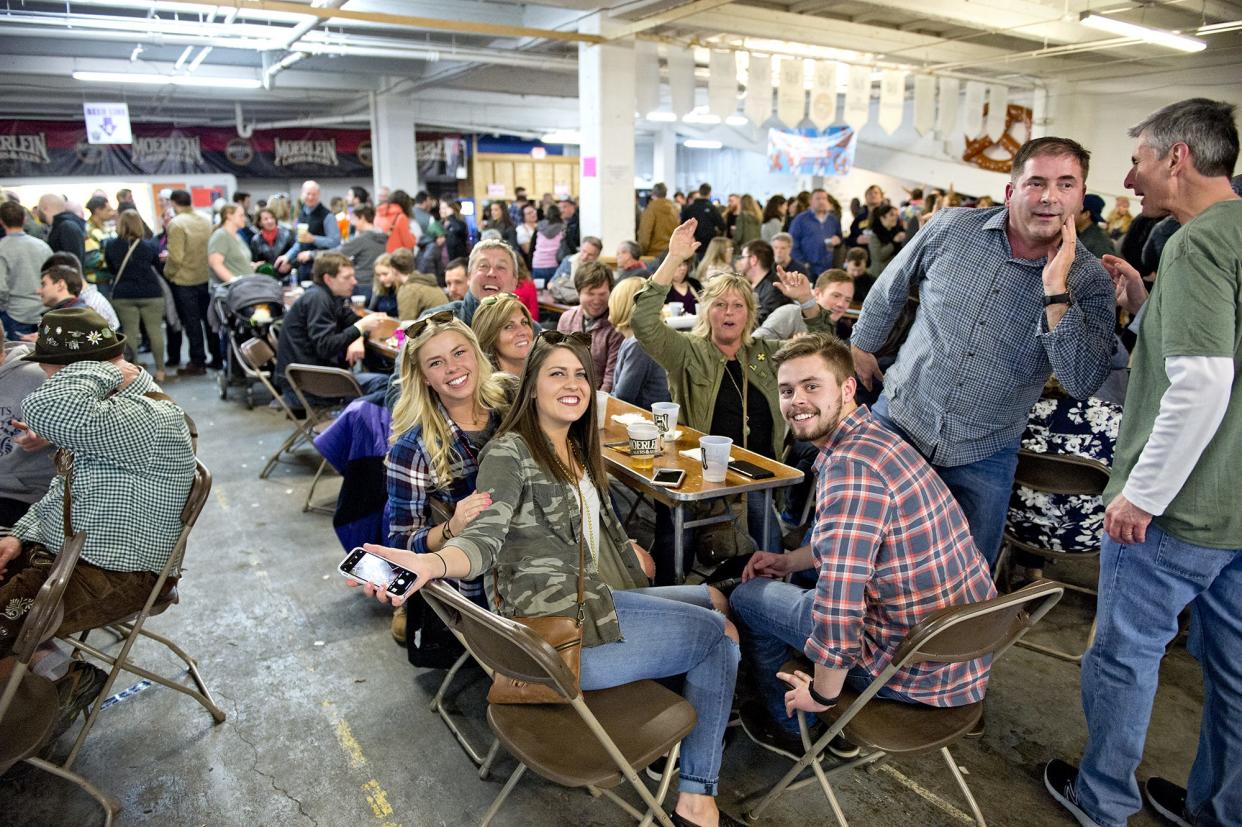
(666, 17)
(1025, 19)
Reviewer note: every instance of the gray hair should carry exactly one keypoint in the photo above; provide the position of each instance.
(1206, 126)
(660, 190)
(632, 248)
(476, 254)
(786, 237)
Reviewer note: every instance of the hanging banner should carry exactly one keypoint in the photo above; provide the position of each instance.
(998, 100)
(857, 96)
(681, 80)
(946, 123)
(972, 109)
(892, 99)
(646, 77)
(791, 96)
(107, 123)
(806, 152)
(924, 103)
(759, 89)
(722, 84)
(823, 110)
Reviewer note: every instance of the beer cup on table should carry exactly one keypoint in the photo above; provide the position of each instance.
(715, 451)
(644, 445)
(664, 414)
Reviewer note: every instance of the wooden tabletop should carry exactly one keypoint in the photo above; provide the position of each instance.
(549, 303)
(694, 488)
(379, 335)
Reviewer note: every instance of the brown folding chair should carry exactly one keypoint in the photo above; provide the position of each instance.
(254, 355)
(1066, 475)
(597, 740)
(331, 389)
(28, 702)
(885, 728)
(163, 594)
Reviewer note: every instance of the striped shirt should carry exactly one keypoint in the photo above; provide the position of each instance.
(892, 546)
(132, 466)
(979, 351)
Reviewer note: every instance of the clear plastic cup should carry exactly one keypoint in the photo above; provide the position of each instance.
(664, 414)
(715, 450)
(644, 445)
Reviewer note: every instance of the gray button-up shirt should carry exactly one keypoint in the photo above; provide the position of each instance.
(980, 351)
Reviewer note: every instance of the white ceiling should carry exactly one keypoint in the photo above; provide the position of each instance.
(334, 63)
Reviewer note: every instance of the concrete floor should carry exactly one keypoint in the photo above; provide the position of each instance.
(328, 723)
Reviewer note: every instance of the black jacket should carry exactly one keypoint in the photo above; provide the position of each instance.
(68, 235)
(571, 241)
(140, 279)
(260, 250)
(317, 330)
(456, 237)
(710, 222)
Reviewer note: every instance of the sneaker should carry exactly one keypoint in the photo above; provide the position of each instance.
(75, 691)
(1059, 778)
(760, 728)
(842, 748)
(398, 625)
(1168, 799)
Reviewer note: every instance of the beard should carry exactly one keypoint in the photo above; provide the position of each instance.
(820, 426)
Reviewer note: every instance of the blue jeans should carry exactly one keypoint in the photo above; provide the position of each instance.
(1143, 588)
(14, 329)
(981, 488)
(754, 524)
(775, 617)
(661, 638)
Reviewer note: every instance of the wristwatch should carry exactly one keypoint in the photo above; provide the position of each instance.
(1057, 298)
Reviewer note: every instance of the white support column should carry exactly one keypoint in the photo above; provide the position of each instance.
(395, 161)
(665, 166)
(606, 122)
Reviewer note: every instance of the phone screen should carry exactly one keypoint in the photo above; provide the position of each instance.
(362, 565)
(668, 476)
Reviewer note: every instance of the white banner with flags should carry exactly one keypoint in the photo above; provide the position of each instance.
(998, 104)
(681, 80)
(759, 89)
(972, 109)
(823, 110)
(924, 103)
(791, 96)
(946, 121)
(892, 99)
(722, 84)
(857, 96)
(646, 76)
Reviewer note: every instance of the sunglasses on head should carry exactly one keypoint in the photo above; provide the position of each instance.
(556, 337)
(415, 329)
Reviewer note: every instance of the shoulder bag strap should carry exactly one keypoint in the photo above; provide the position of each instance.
(116, 280)
(63, 460)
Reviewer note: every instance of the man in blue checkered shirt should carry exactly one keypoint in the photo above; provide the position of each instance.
(1007, 296)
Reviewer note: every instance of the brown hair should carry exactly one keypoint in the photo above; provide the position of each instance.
(856, 254)
(129, 226)
(401, 260)
(329, 264)
(70, 276)
(592, 275)
(833, 276)
(523, 417)
(1048, 146)
(832, 350)
(491, 317)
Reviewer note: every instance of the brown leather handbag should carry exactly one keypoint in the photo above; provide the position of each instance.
(564, 634)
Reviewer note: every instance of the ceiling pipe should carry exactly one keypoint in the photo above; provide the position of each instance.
(243, 130)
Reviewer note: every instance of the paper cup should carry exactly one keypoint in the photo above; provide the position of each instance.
(715, 450)
(601, 409)
(664, 414)
(359, 301)
(675, 308)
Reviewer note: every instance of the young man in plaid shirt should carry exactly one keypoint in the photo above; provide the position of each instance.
(890, 544)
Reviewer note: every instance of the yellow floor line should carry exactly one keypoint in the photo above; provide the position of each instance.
(376, 797)
(935, 800)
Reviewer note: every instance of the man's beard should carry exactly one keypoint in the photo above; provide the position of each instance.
(823, 430)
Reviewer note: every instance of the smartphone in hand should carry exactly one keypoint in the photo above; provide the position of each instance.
(364, 567)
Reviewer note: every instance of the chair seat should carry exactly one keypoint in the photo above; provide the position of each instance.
(30, 717)
(643, 718)
(896, 727)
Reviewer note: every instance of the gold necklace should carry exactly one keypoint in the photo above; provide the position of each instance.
(584, 510)
(741, 395)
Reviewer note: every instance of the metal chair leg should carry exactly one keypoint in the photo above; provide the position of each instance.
(819, 771)
(961, 782)
(504, 793)
(666, 781)
(486, 768)
(323, 463)
(288, 445)
(110, 805)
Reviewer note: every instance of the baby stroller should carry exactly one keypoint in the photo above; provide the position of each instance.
(248, 307)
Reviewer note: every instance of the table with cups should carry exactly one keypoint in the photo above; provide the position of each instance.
(647, 449)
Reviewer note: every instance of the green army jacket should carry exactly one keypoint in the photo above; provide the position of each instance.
(526, 544)
(696, 366)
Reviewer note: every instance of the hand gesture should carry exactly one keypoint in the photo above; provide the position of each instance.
(426, 567)
(467, 509)
(282, 263)
(28, 440)
(681, 244)
(370, 321)
(1056, 271)
(129, 372)
(304, 256)
(355, 351)
(799, 695)
(867, 367)
(794, 285)
(1127, 283)
(765, 564)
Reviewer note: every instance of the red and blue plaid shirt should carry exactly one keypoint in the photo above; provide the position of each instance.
(892, 546)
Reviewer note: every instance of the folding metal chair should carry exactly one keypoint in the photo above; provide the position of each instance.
(28, 702)
(163, 594)
(253, 356)
(885, 728)
(1066, 475)
(323, 392)
(595, 741)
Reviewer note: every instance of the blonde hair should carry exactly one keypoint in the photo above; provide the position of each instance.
(716, 258)
(621, 304)
(751, 207)
(419, 406)
(386, 260)
(715, 290)
(491, 317)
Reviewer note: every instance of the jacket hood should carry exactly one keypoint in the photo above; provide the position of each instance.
(61, 218)
(548, 229)
(13, 353)
(422, 278)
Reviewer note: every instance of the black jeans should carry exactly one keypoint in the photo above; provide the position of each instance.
(192, 304)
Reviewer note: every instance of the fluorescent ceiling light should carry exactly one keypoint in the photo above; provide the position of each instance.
(699, 143)
(737, 120)
(562, 136)
(1158, 37)
(700, 116)
(665, 117)
(152, 79)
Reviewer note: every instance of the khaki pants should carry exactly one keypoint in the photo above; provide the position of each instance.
(94, 597)
(148, 312)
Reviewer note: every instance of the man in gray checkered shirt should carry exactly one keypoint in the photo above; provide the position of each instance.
(1007, 296)
(132, 468)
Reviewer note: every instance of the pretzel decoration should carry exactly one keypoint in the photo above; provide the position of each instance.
(976, 149)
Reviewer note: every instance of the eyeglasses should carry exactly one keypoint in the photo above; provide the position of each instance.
(415, 329)
(556, 337)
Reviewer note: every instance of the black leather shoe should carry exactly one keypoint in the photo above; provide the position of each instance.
(725, 821)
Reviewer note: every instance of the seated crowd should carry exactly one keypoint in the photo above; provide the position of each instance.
(907, 416)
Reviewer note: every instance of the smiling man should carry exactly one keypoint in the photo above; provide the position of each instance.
(889, 545)
(1007, 297)
(493, 270)
(594, 283)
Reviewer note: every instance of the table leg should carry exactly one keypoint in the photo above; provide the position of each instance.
(679, 543)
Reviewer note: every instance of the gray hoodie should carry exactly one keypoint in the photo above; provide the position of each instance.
(24, 476)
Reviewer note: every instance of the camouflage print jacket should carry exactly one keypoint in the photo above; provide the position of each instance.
(526, 544)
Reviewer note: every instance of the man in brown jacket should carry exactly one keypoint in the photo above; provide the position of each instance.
(187, 270)
(658, 221)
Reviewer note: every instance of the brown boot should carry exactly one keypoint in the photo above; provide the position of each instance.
(398, 625)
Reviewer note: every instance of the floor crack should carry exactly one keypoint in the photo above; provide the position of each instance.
(255, 766)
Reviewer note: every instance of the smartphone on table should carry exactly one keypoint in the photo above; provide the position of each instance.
(750, 470)
(668, 477)
(365, 567)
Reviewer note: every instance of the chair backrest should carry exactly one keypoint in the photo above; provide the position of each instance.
(200, 488)
(321, 382)
(961, 633)
(1061, 473)
(45, 615)
(501, 644)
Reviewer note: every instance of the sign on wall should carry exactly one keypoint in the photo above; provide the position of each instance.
(107, 123)
(807, 152)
